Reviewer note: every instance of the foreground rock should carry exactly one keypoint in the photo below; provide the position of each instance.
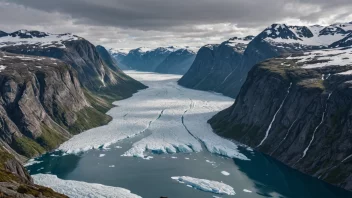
(16, 182)
(297, 109)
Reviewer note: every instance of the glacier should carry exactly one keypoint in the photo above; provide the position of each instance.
(77, 189)
(205, 185)
(172, 118)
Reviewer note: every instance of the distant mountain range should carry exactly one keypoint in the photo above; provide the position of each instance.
(222, 69)
(169, 60)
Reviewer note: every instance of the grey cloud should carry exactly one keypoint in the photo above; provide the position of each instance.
(159, 14)
(153, 23)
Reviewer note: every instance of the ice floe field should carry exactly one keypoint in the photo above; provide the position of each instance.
(176, 117)
(160, 144)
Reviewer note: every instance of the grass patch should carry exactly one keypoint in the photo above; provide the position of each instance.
(102, 104)
(37, 191)
(312, 83)
(88, 118)
(49, 138)
(5, 176)
(27, 147)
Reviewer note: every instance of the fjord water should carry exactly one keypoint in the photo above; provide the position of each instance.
(261, 175)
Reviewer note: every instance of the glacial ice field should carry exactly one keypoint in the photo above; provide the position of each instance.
(175, 117)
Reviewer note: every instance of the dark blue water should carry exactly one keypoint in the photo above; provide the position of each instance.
(262, 175)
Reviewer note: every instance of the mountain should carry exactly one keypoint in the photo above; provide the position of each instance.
(146, 59)
(276, 40)
(215, 63)
(119, 55)
(296, 108)
(178, 62)
(94, 73)
(345, 42)
(42, 104)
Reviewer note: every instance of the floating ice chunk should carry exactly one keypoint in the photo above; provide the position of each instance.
(186, 158)
(149, 157)
(111, 166)
(225, 173)
(76, 189)
(206, 185)
(173, 157)
(101, 155)
(32, 162)
(249, 149)
(247, 191)
(118, 147)
(210, 162)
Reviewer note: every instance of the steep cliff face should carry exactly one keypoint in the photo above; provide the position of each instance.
(214, 64)
(16, 182)
(297, 109)
(41, 100)
(178, 62)
(94, 73)
(276, 40)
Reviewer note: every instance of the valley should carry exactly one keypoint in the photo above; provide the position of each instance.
(166, 136)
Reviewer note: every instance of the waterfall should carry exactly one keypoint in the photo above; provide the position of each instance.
(288, 132)
(315, 130)
(272, 121)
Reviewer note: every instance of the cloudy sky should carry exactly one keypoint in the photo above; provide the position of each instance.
(153, 23)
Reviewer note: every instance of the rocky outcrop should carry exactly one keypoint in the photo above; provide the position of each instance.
(42, 104)
(178, 62)
(297, 109)
(16, 182)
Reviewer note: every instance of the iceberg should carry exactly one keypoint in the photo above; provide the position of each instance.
(77, 189)
(206, 185)
(225, 173)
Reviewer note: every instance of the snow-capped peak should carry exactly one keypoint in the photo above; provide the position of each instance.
(244, 40)
(315, 36)
(41, 39)
(122, 51)
(279, 31)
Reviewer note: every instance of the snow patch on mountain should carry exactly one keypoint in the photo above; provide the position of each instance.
(39, 39)
(323, 58)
